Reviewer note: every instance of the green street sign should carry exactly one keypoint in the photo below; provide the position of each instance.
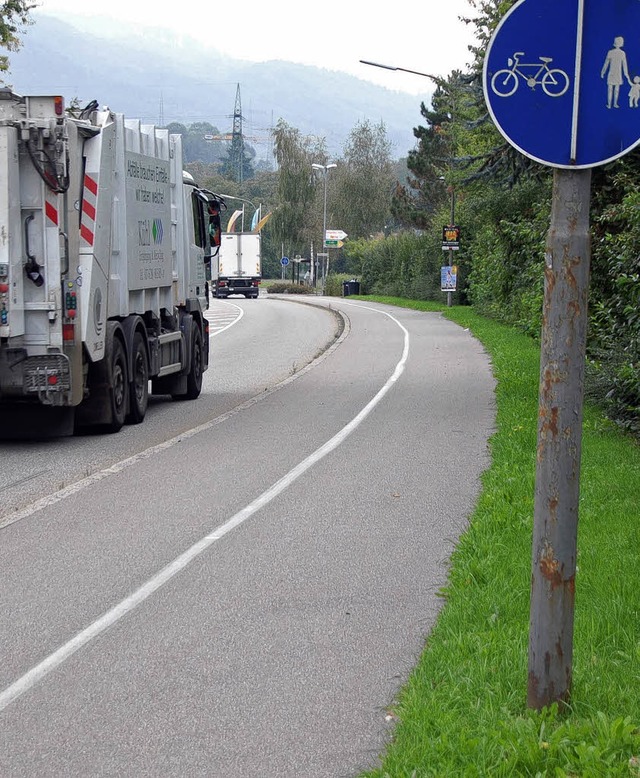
(332, 243)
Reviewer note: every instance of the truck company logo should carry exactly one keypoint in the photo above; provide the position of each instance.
(150, 231)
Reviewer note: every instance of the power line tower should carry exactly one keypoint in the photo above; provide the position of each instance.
(238, 161)
(236, 152)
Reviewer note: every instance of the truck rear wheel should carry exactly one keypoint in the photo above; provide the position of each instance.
(139, 386)
(194, 379)
(196, 369)
(118, 386)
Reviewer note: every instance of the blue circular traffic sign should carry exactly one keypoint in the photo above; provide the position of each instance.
(562, 80)
(284, 261)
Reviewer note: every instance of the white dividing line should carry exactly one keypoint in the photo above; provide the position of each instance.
(54, 660)
(576, 82)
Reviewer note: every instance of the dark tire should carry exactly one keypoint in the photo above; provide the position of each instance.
(194, 379)
(118, 386)
(139, 385)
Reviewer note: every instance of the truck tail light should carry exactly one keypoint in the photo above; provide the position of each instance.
(58, 105)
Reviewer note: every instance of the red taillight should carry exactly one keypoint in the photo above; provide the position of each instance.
(68, 332)
(58, 105)
(52, 380)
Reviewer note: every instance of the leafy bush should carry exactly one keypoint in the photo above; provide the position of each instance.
(286, 287)
(613, 373)
(404, 265)
(505, 233)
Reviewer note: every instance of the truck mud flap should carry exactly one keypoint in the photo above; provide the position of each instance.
(30, 421)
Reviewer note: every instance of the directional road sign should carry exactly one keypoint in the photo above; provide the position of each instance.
(336, 244)
(284, 261)
(335, 235)
(562, 80)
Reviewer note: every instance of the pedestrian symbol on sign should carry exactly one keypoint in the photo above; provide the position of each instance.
(615, 66)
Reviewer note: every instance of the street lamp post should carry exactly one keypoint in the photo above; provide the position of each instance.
(325, 169)
(439, 81)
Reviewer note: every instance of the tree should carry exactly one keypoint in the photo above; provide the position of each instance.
(364, 182)
(295, 220)
(493, 158)
(414, 204)
(14, 16)
(237, 163)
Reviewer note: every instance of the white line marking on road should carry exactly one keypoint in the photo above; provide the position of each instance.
(54, 660)
(220, 320)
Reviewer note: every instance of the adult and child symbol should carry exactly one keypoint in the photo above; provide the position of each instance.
(616, 69)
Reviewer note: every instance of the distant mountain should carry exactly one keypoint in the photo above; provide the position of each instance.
(160, 77)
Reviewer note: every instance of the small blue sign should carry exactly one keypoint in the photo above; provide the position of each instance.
(562, 80)
(284, 261)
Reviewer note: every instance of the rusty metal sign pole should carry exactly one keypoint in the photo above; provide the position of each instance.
(562, 360)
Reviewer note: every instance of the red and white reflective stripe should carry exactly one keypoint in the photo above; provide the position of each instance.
(88, 216)
(51, 208)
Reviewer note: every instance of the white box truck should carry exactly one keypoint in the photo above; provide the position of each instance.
(237, 269)
(102, 277)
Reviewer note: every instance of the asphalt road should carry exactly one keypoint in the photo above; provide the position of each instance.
(254, 345)
(243, 592)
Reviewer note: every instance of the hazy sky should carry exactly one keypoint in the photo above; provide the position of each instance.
(426, 36)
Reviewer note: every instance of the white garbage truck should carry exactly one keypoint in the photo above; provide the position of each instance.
(103, 240)
(237, 269)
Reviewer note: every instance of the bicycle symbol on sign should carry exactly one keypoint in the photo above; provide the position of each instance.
(554, 81)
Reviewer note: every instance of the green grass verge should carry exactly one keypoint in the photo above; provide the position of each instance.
(463, 711)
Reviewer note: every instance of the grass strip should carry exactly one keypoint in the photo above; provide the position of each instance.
(463, 710)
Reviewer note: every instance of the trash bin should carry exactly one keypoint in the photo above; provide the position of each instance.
(346, 291)
(354, 286)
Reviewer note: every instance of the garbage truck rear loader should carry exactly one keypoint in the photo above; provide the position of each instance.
(102, 280)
